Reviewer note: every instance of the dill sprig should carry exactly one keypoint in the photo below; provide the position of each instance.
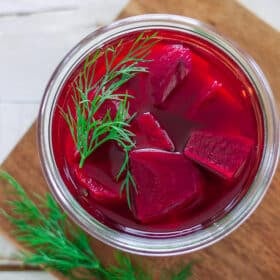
(90, 132)
(185, 273)
(57, 245)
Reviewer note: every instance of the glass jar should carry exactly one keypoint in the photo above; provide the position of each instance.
(149, 245)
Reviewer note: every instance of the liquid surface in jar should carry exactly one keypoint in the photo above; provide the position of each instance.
(199, 140)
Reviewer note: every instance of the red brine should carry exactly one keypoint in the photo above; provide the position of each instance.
(198, 141)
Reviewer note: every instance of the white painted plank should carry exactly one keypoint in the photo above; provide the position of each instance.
(33, 6)
(7, 249)
(267, 10)
(27, 66)
(32, 46)
(26, 276)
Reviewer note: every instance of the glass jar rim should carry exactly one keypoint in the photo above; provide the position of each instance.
(174, 245)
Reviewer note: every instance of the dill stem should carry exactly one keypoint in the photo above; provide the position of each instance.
(82, 161)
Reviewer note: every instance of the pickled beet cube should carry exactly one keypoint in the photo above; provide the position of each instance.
(212, 92)
(149, 134)
(96, 190)
(222, 154)
(92, 178)
(169, 68)
(165, 182)
(209, 90)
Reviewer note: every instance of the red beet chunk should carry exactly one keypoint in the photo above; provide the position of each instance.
(209, 90)
(165, 182)
(94, 180)
(223, 155)
(213, 91)
(96, 190)
(149, 134)
(171, 64)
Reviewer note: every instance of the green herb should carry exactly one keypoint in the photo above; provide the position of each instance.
(58, 245)
(90, 132)
(185, 273)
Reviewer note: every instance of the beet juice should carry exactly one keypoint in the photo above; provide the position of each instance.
(198, 133)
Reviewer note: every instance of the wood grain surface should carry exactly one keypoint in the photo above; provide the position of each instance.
(253, 250)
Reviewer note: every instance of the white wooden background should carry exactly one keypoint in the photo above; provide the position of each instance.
(34, 36)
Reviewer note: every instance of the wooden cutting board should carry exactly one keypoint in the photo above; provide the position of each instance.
(253, 250)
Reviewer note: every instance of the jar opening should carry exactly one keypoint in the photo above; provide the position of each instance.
(180, 242)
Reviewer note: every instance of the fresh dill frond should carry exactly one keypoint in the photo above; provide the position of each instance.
(56, 244)
(125, 270)
(184, 274)
(90, 132)
(44, 229)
